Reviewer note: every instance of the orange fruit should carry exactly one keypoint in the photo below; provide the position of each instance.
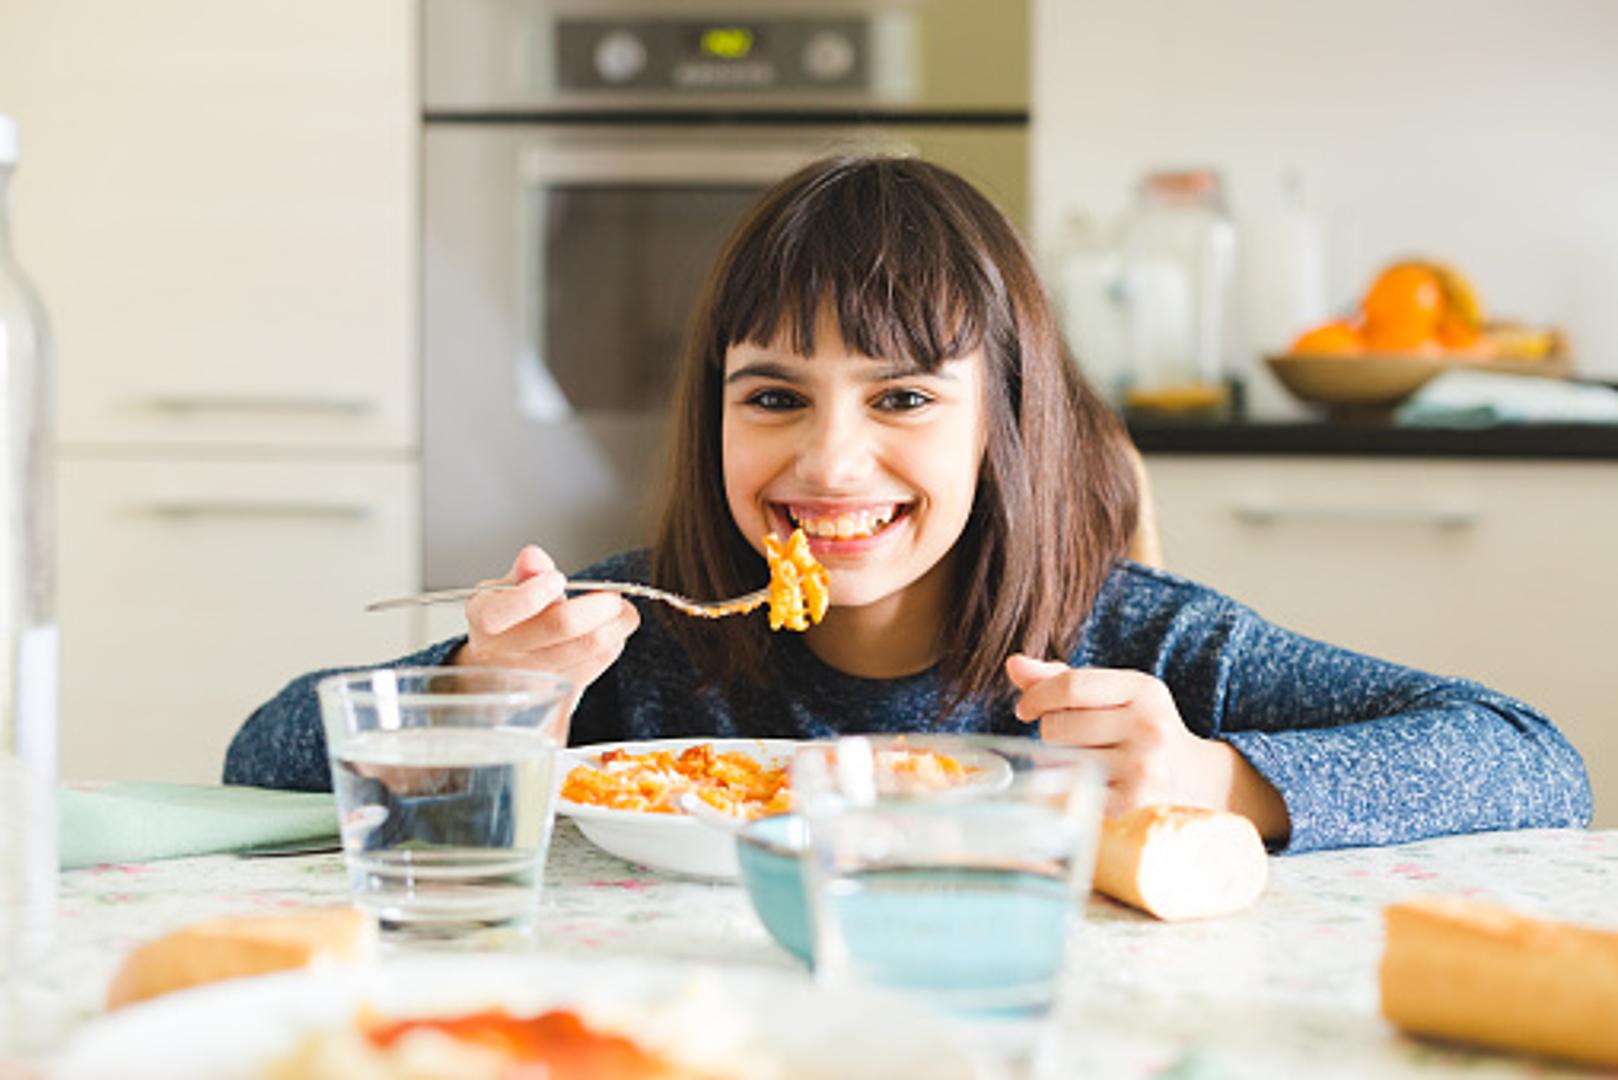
(1403, 307)
(1458, 335)
(1401, 338)
(1329, 339)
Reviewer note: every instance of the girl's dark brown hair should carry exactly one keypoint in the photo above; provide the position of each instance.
(915, 264)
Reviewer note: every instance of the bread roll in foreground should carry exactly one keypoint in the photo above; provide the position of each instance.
(1182, 862)
(235, 947)
(1473, 972)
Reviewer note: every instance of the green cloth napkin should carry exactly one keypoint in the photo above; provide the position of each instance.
(138, 822)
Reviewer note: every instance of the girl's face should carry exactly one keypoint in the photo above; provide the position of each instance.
(876, 461)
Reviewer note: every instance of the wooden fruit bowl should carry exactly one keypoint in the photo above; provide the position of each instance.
(1376, 382)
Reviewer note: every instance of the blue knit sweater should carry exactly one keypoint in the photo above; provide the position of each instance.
(1361, 750)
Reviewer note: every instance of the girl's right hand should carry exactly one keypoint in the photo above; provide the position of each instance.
(538, 627)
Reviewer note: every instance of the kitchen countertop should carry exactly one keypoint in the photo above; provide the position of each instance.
(1374, 439)
(1286, 988)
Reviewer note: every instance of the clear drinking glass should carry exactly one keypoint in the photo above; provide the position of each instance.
(963, 887)
(446, 783)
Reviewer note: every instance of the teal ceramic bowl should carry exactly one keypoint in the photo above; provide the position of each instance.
(768, 851)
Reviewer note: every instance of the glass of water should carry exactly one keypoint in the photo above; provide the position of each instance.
(954, 867)
(446, 783)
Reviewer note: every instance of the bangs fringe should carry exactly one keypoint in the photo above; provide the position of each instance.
(900, 273)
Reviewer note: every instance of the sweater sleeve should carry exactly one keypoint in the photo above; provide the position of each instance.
(1362, 751)
(283, 744)
(1368, 752)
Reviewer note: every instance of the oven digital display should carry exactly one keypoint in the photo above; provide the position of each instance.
(794, 57)
(727, 42)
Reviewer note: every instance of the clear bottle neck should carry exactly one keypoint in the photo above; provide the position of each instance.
(6, 172)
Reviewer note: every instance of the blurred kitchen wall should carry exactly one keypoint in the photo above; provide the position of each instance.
(1483, 132)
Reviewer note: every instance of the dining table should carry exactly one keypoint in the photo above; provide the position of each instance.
(1286, 988)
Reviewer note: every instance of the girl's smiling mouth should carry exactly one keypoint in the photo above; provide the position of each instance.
(841, 526)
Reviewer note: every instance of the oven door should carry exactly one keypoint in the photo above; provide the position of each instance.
(561, 263)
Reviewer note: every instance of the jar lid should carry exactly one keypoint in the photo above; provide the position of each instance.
(8, 140)
(1184, 186)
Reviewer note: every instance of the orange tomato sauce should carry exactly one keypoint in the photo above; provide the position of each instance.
(557, 1045)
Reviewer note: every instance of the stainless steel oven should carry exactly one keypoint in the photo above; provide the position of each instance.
(583, 161)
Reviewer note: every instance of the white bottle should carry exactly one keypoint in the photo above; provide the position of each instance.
(1090, 301)
(1283, 284)
(28, 680)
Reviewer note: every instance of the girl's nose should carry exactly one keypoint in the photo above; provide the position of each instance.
(836, 452)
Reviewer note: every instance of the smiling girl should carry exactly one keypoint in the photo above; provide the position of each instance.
(874, 361)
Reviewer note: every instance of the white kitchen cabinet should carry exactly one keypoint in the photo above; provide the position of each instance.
(218, 202)
(192, 591)
(1500, 571)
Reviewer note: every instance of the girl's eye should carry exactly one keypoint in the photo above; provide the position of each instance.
(773, 399)
(903, 400)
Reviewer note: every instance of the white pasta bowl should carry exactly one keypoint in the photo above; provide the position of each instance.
(675, 843)
(678, 843)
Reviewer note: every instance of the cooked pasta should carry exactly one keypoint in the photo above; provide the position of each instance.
(800, 588)
(652, 782)
(732, 782)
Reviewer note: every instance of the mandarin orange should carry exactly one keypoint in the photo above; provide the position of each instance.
(1457, 335)
(1330, 339)
(1403, 307)
(1401, 337)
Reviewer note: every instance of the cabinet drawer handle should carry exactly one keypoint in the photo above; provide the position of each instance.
(189, 404)
(1440, 517)
(193, 510)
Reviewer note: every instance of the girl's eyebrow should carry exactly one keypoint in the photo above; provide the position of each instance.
(762, 369)
(769, 369)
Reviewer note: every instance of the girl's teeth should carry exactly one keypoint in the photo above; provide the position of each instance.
(846, 526)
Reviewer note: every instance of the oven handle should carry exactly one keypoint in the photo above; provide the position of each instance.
(756, 163)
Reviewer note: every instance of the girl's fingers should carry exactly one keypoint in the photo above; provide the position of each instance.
(582, 659)
(530, 561)
(494, 613)
(1082, 688)
(1024, 670)
(1093, 728)
(580, 626)
(1120, 801)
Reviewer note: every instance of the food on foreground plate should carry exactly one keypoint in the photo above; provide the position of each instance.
(238, 946)
(492, 1044)
(1426, 308)
(1181, 862)
(734, 782)
(800, 588)
(1481, 973)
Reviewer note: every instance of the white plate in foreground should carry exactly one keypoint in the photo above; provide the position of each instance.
(738, 1021)
(674, 843)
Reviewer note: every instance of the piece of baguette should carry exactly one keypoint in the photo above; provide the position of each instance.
(1480, 973)
(1182, 862)
(238, 946)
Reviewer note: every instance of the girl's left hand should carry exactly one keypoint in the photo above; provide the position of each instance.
(1131, 722)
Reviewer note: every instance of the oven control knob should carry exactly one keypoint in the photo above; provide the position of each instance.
(828, 56)
(620, 56)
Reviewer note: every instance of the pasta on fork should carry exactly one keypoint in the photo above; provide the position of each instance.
(800, 588)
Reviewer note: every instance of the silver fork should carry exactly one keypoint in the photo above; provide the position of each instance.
(702, 609)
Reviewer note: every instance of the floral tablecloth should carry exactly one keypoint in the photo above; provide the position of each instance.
(1285, 989)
